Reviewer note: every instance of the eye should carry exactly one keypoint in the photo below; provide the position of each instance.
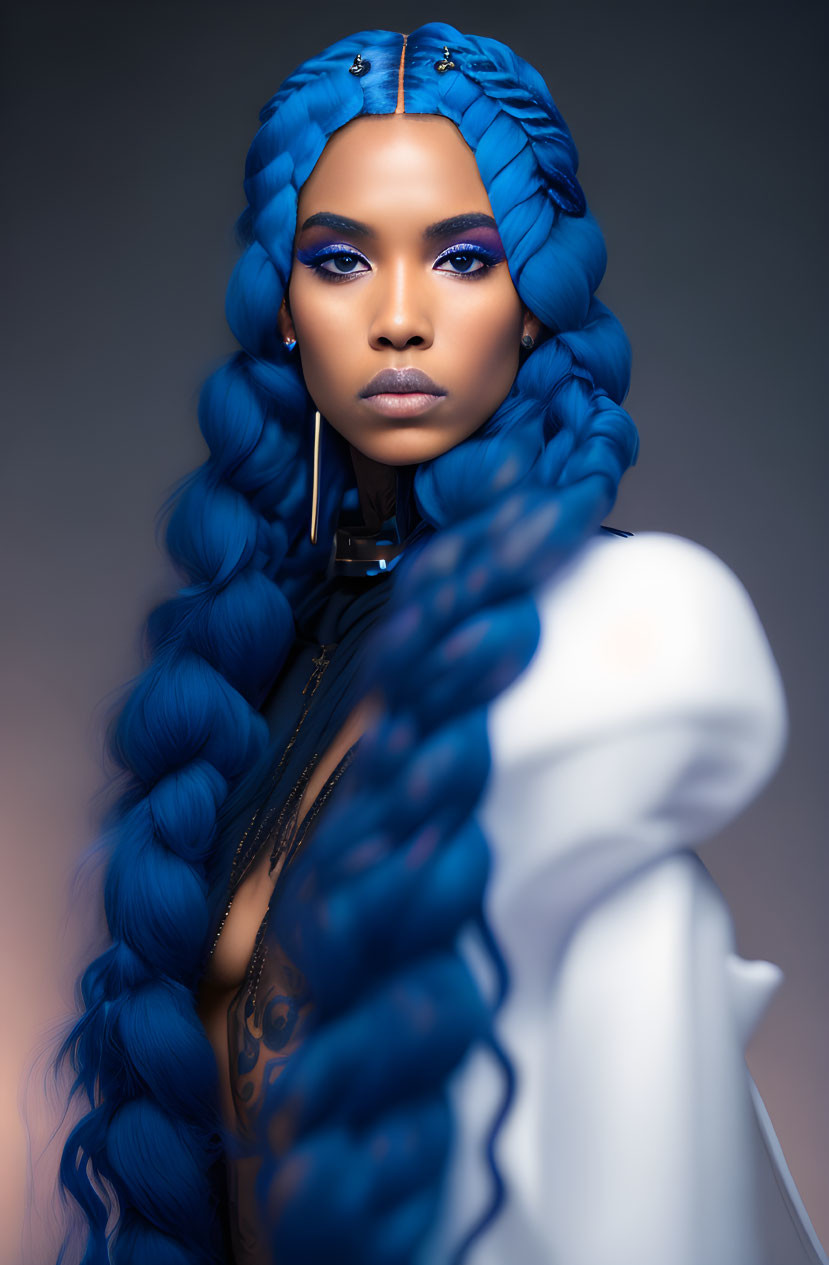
(344, 263)
(467, 260)
(334, 263)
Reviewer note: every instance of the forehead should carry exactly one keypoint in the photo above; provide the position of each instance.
(402, 167)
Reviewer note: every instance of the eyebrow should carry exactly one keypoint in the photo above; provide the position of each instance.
(442, 228)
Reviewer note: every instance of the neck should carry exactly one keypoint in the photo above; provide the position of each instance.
(388, 513)
(385, 493)
(376, 488)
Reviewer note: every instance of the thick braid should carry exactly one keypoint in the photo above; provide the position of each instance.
(187, 732)
(372, 914)
(400, 865)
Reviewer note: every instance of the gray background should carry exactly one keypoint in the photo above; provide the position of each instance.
(703, 156)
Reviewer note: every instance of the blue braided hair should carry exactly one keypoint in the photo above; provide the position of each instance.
(371, 914)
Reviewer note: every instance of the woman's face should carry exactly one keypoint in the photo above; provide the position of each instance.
(398, 268)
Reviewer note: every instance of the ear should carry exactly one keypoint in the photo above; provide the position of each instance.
(532, 325)
(284, 321)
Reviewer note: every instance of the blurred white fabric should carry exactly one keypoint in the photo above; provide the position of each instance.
(651, 714)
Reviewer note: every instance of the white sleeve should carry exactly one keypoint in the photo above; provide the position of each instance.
(650, 716)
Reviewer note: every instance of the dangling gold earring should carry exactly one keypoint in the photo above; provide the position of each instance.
(315, 486)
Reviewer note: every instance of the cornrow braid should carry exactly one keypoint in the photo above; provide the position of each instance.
(489, 87)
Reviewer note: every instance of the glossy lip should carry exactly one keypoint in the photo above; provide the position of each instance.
(397, 382)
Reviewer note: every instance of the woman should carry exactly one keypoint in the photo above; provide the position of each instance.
(385, 911)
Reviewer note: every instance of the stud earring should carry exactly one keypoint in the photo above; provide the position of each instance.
(528, 341)
(290, 343)
(315, 483)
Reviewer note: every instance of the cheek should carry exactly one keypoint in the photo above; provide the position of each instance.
(323, 331)
(487, 340)
(318, 309)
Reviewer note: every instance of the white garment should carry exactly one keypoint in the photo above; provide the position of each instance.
(651, 714)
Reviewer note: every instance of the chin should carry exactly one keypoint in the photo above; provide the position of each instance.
(405, 447)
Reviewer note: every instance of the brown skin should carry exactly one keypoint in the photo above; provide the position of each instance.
(400, 299)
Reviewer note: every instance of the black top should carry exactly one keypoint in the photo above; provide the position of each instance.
(318, 685)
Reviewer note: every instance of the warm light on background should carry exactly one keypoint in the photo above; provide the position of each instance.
(701, 131)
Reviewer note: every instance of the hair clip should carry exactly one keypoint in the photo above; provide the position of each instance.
(445, 63)
(358, 66)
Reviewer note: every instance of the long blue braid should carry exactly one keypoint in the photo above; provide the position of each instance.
(399, 865)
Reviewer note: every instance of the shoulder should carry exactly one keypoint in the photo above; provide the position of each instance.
(652, 582)
(647, 642)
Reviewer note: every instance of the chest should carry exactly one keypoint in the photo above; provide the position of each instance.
(234, 946)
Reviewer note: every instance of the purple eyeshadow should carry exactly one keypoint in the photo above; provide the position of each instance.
(309, 256)
(482, 243)
(493, 251)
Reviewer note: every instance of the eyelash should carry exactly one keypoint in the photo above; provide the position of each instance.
(487, 258)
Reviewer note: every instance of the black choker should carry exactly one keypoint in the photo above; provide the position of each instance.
(359, 552)
(371, 540)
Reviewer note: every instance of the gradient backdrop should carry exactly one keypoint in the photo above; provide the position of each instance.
(702, 134)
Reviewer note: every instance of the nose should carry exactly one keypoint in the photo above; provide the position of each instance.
(402, 314)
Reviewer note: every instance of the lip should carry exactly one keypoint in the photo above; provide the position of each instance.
(401, 403)
(401, 382)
